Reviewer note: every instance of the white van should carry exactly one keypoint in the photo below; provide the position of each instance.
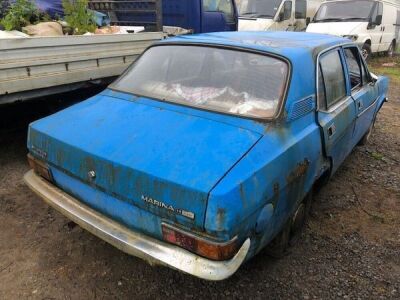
(289, 15)
(373, 24)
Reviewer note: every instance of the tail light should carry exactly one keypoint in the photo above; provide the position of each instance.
(40, 168)
(214, 251)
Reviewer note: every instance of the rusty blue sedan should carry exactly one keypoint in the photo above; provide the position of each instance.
(207, 149)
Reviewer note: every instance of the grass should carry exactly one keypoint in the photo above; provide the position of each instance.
(377, 66)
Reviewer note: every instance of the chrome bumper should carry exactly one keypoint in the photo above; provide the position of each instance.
(131, 242)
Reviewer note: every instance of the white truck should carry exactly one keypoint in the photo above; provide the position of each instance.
(287, 15)
(373, 24)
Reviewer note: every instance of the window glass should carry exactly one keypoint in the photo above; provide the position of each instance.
(301, 9)
(287, 10)
(343, 11)
(354, 65)
(224, 6)
(334, 79)
(231, 81)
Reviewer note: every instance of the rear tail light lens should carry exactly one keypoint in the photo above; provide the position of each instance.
(214, 251)
(40, 168)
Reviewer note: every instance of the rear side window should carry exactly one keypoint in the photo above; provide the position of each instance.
(333, 77)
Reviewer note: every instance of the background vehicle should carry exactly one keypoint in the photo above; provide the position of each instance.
(255, 15)
(196, 15)
(373, 25)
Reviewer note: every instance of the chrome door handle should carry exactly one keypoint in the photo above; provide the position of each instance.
(360, 105)
(331, 130)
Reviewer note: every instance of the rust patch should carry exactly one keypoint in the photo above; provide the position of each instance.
(220, 217)
(299, 171)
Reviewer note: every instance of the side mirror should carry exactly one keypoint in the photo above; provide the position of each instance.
(308, 21)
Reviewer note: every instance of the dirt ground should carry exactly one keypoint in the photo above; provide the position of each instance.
(350, 248)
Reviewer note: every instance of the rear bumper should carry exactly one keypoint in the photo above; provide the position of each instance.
(131, 242)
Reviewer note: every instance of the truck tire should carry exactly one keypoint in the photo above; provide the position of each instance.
(391, 50)
(292, 230)
(366, 51)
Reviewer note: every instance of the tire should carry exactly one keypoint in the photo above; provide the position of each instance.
(291, 232)
(391, 50)
(367, 136)
(366, 51)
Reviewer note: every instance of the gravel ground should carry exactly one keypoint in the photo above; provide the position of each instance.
(350, 248)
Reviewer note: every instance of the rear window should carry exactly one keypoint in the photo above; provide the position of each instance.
(229, 81)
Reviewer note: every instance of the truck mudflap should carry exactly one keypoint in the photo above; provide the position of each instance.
(153, 251)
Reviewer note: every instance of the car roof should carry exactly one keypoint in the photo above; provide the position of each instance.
(289, 44)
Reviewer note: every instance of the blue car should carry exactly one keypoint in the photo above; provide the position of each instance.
(207, 149)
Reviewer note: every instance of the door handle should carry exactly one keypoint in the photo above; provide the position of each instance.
(360, 105)
(331, 130)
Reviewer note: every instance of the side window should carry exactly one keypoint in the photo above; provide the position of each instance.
(354, 64)
(301, 9)
(287, 10)
(334, 79)
(223, 6)
(321, 89)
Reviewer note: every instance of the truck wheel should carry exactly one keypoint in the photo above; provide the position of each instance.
(366, 51)
(292, 230)
(391, 49)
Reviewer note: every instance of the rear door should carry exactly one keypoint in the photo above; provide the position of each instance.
(363, 91)
(336, 107)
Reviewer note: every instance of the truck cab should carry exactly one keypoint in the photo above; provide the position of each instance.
(198, 16)
(256, 15)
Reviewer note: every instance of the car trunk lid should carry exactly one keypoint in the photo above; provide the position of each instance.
(157, 159)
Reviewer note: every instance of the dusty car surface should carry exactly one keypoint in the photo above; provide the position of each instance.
(207, 149)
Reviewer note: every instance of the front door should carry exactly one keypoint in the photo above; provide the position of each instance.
(285, 18)
(375, 28)
(336, 107)
(363, 91)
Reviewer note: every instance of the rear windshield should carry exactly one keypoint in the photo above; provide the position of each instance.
(229, 81)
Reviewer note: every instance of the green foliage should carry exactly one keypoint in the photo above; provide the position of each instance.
(20, 14)
(78, 16)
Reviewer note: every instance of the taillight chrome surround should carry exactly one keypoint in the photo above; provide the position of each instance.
(40, 167)
(198, 245)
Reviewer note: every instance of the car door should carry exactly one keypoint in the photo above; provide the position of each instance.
(336, 107)
(363, 90)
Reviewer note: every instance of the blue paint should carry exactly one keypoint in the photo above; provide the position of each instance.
(240, 177)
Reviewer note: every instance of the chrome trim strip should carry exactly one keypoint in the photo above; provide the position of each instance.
(131, 242)
(368, 108)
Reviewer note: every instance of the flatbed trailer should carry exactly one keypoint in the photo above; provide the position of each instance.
(38, 66)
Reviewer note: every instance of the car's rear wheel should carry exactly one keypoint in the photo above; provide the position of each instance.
(366, 51)
(292, 230)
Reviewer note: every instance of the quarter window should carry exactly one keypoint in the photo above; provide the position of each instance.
(333, 77)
